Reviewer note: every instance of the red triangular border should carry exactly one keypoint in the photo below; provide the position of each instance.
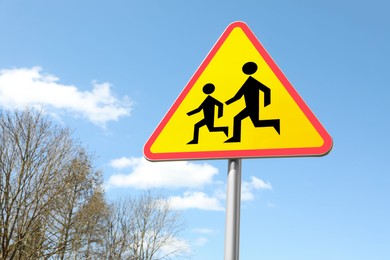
(279, 152)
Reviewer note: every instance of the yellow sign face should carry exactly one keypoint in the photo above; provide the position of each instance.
(238, 104)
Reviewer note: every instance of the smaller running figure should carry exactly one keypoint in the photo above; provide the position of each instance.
(208, 107)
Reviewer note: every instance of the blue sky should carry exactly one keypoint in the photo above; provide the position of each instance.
(110, 70)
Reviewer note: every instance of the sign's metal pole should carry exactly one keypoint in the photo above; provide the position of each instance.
(233, 201)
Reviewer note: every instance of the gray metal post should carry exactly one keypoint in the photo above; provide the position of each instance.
(233, 201)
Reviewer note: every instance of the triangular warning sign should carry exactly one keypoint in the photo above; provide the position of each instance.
(238, 104)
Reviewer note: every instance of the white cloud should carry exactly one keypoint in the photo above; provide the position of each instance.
(195, 200)
(30, 87)
(173, 246)
(203, 230)
(247, 188)
(123, 162)
(271, 205)
(200, 241)
(145, 175)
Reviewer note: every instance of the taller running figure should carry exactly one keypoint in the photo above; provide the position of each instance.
(250, 90)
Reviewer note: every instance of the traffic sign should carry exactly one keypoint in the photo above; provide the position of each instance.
(238, 104)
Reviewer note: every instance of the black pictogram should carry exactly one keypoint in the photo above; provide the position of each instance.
(208, 107)
(250, 90)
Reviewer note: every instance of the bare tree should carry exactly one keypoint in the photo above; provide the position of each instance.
(45, 178)
(52, 205)
(90, 226)
(80, 192)
(118, 231)
(144, 227)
